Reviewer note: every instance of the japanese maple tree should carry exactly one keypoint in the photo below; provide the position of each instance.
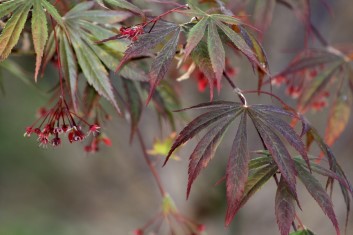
(90, 41)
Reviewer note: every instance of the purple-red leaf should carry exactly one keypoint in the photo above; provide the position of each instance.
(318, 193)
(198, 124)
(148, 41)
(206, 148)
(162, 62)
(213, 105)
(237, 170)
(278, 151)
(311, 60)
(216, 52)
(286, 131)
(284, 207)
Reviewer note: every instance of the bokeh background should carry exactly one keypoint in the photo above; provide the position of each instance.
(64, 191)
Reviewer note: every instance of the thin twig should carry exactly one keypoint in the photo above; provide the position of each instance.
(236, 89)
(150, 164)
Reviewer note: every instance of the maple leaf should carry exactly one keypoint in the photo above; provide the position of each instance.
(14, 26)
(232, 31)
(156, 34)
(312, 76)
(269, 126)
(77, 49)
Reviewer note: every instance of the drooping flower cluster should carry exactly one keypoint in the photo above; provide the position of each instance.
(59, 121)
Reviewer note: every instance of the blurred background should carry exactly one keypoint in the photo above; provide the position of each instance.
(65, 191)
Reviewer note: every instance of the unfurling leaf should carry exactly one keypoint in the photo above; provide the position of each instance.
(285, 207)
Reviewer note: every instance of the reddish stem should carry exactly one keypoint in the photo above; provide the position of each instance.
(164, 14)
(150, 164)
(58, 56)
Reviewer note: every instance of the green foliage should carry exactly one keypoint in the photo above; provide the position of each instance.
(11, 33)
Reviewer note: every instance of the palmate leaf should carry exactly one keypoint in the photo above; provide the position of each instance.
(284, 207)
(13, 28)
(78, 49)
(162, 32)
(235, 33)
(93, 69)
(269, 126)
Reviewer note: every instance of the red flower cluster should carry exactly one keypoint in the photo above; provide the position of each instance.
(58, 121)
(131, 32)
